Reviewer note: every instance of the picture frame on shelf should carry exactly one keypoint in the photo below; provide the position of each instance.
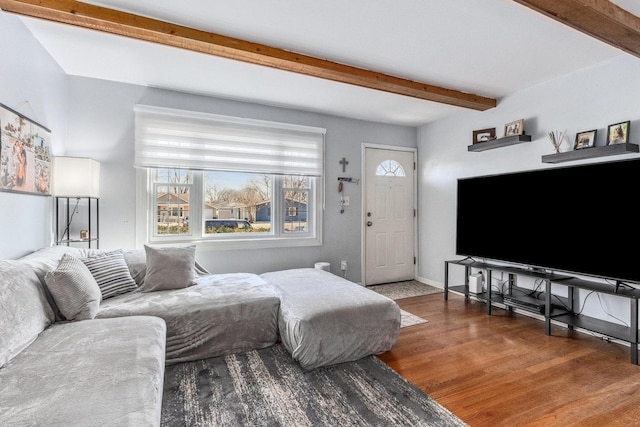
(586, 139)
(618, 133)
(484, 135)
(514, 128)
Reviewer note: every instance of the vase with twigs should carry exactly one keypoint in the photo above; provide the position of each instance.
(557, 138)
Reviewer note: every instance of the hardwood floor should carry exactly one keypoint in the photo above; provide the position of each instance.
(503, 370)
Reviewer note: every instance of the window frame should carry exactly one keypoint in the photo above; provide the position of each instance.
(146, 209)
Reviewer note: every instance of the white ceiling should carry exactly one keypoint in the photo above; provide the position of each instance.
(491, 48)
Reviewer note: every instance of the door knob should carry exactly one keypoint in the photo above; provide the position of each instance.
(369, 223)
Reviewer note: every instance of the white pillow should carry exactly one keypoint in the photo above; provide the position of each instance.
(111, 272)
(74, 289)
(169, 268)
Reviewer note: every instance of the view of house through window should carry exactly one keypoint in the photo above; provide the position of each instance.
(237, 202)
(296, 200)
(172, 194)
(230, 202)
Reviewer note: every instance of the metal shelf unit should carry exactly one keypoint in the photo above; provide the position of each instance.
(565, 313)
(63, 221)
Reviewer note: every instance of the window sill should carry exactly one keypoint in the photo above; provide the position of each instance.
(223, 245)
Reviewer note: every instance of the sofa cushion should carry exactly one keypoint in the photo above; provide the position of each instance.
(47, 259)
(169, 268)
(88, 373)
(325, 319)
(24, 311)
(137, 262)
(111, 272)
(220, 314)
(74, 289)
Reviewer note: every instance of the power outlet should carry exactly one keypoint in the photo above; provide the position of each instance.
(343, 265)
(346, 200)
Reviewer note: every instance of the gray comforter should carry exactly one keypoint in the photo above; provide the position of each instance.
(325, 319)
(220, 314)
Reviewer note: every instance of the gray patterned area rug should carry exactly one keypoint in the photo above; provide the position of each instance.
(267, 388)
(407, 289)
(410, 319)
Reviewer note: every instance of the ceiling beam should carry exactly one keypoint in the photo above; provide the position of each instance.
(600, 19)
(142, 28)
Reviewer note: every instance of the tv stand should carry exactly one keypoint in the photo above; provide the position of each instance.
(564, 313)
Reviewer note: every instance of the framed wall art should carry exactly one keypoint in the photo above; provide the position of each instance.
(585, 139)
(618, 133)
(25, 154)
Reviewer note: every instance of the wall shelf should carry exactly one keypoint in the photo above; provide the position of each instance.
(588, 153)
(499, 143)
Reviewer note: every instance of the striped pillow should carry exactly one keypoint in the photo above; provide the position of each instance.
(74, 289)
(111, 272)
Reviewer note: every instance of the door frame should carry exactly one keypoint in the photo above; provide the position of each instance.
(363, 247)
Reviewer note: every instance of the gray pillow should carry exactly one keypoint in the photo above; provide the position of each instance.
(74, 289)
(169, 268)
(111, 272)
(137, 262)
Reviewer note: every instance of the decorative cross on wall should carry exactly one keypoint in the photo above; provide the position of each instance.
(344, 164)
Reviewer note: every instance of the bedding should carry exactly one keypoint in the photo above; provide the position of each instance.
(219, 314)
(325, 319)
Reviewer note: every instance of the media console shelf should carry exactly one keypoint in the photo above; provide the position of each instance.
(614, 330)
(500, 142)
(490, 297)
(589, 153)
(565, 313)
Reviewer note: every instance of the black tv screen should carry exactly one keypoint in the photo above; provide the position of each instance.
(577, 219)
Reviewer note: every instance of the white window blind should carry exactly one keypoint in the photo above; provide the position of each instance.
(201, 141)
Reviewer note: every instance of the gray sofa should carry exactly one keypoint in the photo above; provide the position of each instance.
(216, 314)
(90, 372)
(88, 359)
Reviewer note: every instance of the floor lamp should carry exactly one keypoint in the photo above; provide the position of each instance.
(74, 177)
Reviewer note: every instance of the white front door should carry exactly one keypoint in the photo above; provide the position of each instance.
(389, 216)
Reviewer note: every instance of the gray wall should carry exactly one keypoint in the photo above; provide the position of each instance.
(32, 84)
(592, 98)
(102, 127)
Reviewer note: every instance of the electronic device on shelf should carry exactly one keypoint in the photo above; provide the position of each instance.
(524, 302)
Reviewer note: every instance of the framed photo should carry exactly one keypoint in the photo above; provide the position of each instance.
(514, 128)
(25, 159)
(484, 135)
(585, 139)
(618, 133)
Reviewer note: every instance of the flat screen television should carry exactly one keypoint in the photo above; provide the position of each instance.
(577, 219)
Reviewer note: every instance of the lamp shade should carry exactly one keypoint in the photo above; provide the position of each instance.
(76, 177)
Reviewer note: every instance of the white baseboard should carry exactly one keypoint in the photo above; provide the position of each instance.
(430, 282)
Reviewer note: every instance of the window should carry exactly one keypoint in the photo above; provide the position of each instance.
(171, 191)
(390, 168)
(209, 178)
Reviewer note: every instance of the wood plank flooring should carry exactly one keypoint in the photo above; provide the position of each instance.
(503, 370)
